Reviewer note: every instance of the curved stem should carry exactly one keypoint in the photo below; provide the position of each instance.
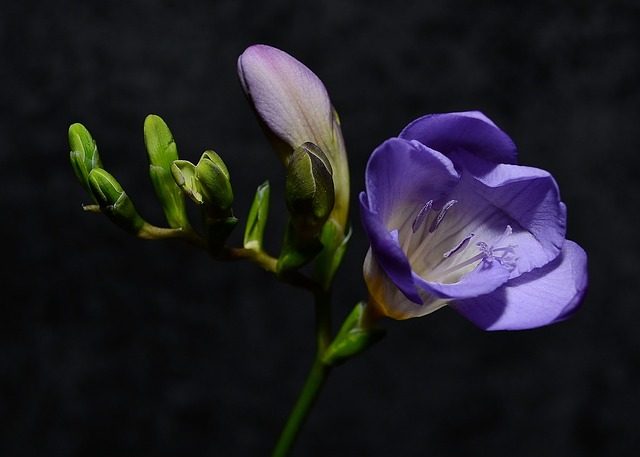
(315, 380)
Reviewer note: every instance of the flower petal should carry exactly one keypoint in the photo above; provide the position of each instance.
(387, 251)
(471, 131)
(288, 97)
(402, 175)
(530, 197)
(541, 297)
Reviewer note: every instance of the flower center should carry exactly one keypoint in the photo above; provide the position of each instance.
(437, 245)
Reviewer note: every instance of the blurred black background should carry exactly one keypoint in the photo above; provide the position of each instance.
(111, 345)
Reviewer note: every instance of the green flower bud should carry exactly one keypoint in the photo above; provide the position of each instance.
(162, 152)
(184, 174)
(114, 202)
(212, 179)
(84, 154)
(309, 191)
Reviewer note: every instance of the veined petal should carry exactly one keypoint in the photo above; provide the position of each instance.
(530, 197)
(388, 253)
(470, 131)
(541, 297)
(403, 174)
(288, 97)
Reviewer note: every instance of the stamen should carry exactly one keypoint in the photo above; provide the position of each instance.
(487, 252)
(507, 231)
(422, 215)
(463, 244)
(507, 258)
(441, 215)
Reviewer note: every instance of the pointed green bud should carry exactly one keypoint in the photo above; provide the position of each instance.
(184, 174)
(309, 190)
(212, 178)
(114, 201)
(352, 339)
(162, 152)
(257, 219)
(84, 154)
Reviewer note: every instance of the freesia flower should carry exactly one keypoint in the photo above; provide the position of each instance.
(293, 107)
(453, 220)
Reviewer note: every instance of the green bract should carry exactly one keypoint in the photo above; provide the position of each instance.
(257, 219)
(309, 189)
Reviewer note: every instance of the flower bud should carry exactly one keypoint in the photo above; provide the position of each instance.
(162, 152)
(213, 181)
(84, 154)
(293, 107)
(114, 201)
(184, 174)
(309, 189)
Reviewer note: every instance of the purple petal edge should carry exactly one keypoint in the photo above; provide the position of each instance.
(471, 131)
(387, 253)
(541, 297)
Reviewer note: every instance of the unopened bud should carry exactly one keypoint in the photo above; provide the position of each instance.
(184, 174)
(114, 201)
(84, 154)
(212, 178)
(162, 152)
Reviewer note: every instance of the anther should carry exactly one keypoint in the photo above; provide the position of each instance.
(461, 245)
(441, 215)
(422, 215)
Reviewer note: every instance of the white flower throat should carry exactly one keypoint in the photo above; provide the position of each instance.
(438, 240)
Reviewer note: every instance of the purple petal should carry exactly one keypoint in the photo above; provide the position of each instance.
(541, 297)
(403, 175)
(529, 197)
(387, 252)
(470, 131)
(289, 98)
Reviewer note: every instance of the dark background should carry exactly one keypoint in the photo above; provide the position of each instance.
(111, 345)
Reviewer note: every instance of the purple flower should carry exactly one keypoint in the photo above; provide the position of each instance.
(452, 220)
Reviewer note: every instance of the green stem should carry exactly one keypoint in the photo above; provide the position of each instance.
(312, 387)
(315, 380)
